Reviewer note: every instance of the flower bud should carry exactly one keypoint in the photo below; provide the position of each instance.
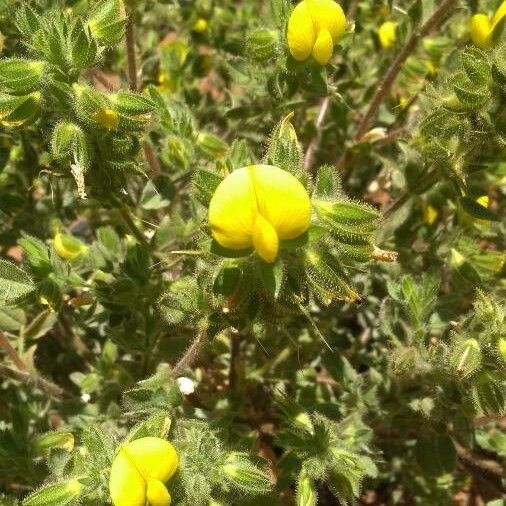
(139, 470)
(257, 206)
(62, 493)
(69, 144)
(262, 45)
(19, 76)
(387, 34)
(240, 471)
(133, 110)
(314, 28)
(107, 21)
(94, 108)
(57, 439)
(212, 146)
(19, 111)
(200, 25)
(68, 247)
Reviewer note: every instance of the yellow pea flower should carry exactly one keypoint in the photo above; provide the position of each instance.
(68, 247)
(387, 34)
(482, 26)
(200, 25)
(258, 206)
(139, 471)
(313, 29)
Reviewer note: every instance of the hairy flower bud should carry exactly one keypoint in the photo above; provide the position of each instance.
(107, 21)
(258, 206)
(68, 247)
(262, 44)
(314, 27)
(65, 492)
(139, 471)
(306, 492)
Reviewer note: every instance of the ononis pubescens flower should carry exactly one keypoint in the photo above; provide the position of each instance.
(139, 471)
(314, 28)
(259, 206)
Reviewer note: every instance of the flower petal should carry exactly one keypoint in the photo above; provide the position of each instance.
(265, 239)
(126, 485)
(301, 34)
(157, 494)
(322, 50)
(233, 210)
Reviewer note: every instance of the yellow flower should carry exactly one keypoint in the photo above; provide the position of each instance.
(139, 471)
(429, 214)
(387, 34)
(68, 247)
(258, 206)
(200, 25)
(313, 29)
(482, 27)
(107, 118)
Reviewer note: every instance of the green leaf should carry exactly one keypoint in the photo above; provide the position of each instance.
(12, 319)
(476, 210)
(84, 46)
(435, 454)
(19, 76)
(470, 94)
(415, 12)
(476, 65)
(205, 184)
(15, 283)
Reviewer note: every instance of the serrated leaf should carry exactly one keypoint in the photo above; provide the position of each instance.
(476, 65)
(15, 283)
(205, 184)
(435, 454)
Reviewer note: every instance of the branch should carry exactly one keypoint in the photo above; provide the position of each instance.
(191, 354)
(235, 354)
(385, 84)
(22, 374)
(127, 218)
(130, 53)
(313, 145)
(12, 353)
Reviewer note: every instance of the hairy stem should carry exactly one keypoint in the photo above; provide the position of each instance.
(130, 53)
(21, 372)
(127, 218)
(235, 357)
(191, 354)
(313, 145)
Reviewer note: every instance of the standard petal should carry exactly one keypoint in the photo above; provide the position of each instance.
(282, 200)
(301, 34)
(232, 211)
(154, 457)
(327, 15)
(126, 485)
